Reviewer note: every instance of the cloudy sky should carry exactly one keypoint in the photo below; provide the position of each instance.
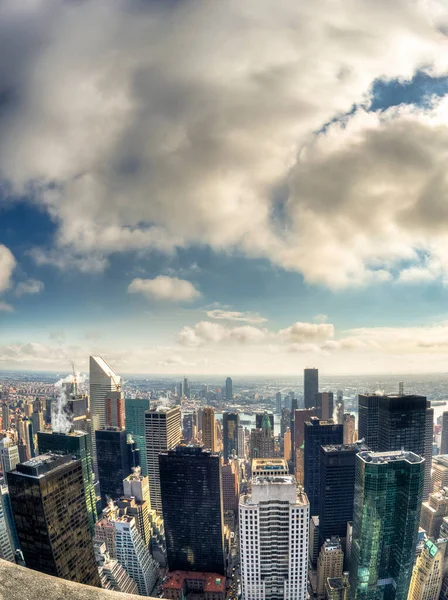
(224, 187)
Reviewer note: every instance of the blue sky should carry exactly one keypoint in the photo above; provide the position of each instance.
(144, 161)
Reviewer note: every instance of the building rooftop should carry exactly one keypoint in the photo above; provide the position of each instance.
(269, 464)
(212, 582)
(440, 461)
(390, 456)
(42, 464)
(276, 479)
(337, 583)
(358, 446)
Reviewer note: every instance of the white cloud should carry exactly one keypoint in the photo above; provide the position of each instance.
(5, 307)
(233, 315)
(30, 286)
(307, 332)
(166, 288)
(320, 318)
(147, 136)
(7, 265)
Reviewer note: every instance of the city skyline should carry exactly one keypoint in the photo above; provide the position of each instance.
(205, 223)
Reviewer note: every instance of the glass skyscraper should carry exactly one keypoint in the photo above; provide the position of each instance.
(230, 422)
(112, 454)
(368, 406)
(310, 386)
(386, 514)
(135, 424)
(76, 444)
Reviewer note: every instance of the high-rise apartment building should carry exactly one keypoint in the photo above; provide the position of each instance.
(50, 514)
(112, 460)
(192, 501)
(209, 429)
(388, 492)
(229, 389)
(274, 560)
(163, 432)
(317, 433)
(330, 563)
(104, 385)
(8, 535)
(9, 455)
(337, 488)
(230, 423)
(135, 409)
(428, 572)
(310, 387)
(444, 437)
(349, 424)
(368, 407)
(76, 444)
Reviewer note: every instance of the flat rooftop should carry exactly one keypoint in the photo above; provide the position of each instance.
(212, 582)
(390, 456)
(277, 479)
(355, 447)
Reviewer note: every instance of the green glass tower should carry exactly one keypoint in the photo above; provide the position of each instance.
(135, 424)
(386, 514)
(75, 443)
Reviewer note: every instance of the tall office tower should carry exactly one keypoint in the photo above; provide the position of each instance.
(317, 433)
(433, 512)
(134, 555)
(188, 427)
(403, 423)
(285, 421)
(325, 405)
(103, 381)
(368, 407)
(439, 478)
(5, 415)
(186, 388)
(274, 560)
(329, 564)
(115, 412)
(9, 455)
(444, 439)
(314, 541)
(287, 446)
(8, 534)
(292, 425)
(113, 575)
(229, 389)
(337, 488)
(262, 440)
(76, 444)
(163, 432)
(37, 416)
(388, 492)
(112, 461)
(338, 588)
(230, 486)
(301, 416)
(230, 423)
(47, 500)
(140, 511)
(241, 443)
(427, 575)
(137, 485)
(209, 429)
(429, 440)
(310, 387)
(278, 402)
(260, 416)
(192, 500)
(135, 409)
(133, 453)
(348, 422)
(339, 413)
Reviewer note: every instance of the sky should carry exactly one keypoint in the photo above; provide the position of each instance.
(194, 187)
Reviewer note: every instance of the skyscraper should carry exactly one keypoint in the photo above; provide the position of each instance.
(439, 477)
(192, 500)
(209, 429)
(429, 441)
(301, 416)
(262, 440)
(50, 514)
(230, 486)
(76, 444)
(9, 455)
(113, 575)
(5, 415)
(135, 409)
(329, 563)
(103, 383)
(229, 389)
(325, 405)
(388, 494)
(274, 559)
(285, 420)
(433, 512)
(278, 402)
(368, 406)
(444, 438)
(242, 442)
(162, 432)
(317, 433)
(311, 387)
(348, 421)
(8, 535)
(260, 416)
(230, 423)
(427, 575)
(337, 488)
(112, 460)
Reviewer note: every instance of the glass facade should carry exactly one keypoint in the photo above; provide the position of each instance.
(230, 422)
(310, 387)
(368, 420)
(386, 514)
(191, 488)
(77, 445)
(135, 425)
(47, 501)
(112, 453)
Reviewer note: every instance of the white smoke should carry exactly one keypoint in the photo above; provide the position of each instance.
(136, 471)
(61, 420)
